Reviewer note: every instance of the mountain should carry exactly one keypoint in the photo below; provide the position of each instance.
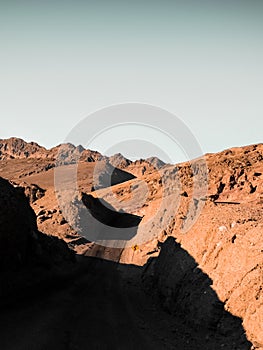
(15, 148)
(216, 217)
(198, 223)
(67, 153)
(156, 162)
(119, 161)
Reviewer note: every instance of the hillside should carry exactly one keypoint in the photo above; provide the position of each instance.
(27, 255)
(206, 213)
(221, 228)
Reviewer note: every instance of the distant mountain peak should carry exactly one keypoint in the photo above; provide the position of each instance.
(156, 162)
(18, 148)
(119, 161)
(65, 153)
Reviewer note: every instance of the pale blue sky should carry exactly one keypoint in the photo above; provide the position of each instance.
(200, 60)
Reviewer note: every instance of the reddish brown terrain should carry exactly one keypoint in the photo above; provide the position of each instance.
(191, 276)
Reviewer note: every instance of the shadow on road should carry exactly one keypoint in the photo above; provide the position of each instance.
(102, 305)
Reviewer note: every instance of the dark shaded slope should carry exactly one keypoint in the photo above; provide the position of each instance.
(106, 214)
(23, 249)
(186, 292)
(18, 228)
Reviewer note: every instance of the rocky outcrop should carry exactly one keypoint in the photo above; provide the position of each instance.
(236, 173)
(32, 191)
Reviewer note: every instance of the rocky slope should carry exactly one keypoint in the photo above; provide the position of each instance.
(23, 248)
(32, 167)
(18, 226)
(220, 228)
(211, 207)
(185, 291)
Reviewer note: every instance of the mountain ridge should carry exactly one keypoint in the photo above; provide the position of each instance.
(17, 148)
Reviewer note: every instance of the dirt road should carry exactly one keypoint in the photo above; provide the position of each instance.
(102, 308)
(94, 312)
